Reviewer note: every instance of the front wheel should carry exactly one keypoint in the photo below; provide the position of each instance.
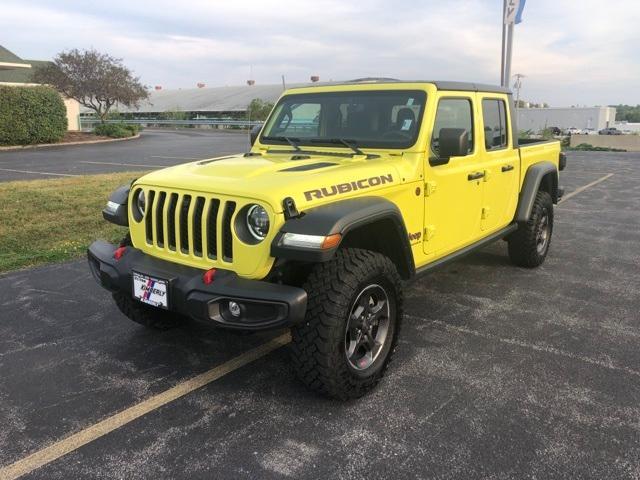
(529, 245)
(353, 317)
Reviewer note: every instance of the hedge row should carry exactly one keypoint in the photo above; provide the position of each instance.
(31, 115)
(116, 130)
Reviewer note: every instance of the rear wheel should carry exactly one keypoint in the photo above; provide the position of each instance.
(353, 317)
(529, 245)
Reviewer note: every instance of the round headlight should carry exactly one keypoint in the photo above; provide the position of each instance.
(141, 202)
(257, 222)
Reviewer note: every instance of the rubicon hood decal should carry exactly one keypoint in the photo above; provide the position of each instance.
(348, 187)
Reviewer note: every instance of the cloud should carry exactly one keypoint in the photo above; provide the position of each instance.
(586, 52)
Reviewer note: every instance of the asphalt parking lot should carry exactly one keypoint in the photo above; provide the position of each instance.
(500, 373)
(154, 149)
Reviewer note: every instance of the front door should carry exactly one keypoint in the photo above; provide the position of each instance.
(453, 191)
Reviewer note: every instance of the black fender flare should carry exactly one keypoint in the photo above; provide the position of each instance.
(343, 217)
(531, 185)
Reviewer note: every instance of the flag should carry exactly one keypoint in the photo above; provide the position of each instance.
(519, 12)
(513, 12)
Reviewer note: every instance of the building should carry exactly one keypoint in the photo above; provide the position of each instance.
(630, 127)
(14, 71)
(537, 119)
(203, 102)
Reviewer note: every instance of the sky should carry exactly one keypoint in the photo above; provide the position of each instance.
(572, 52)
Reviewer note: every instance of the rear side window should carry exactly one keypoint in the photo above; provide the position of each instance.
(453, 113)
(494, 116)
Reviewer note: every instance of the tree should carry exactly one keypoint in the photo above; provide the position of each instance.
(258, 109)
(629, 113)
(96, 80)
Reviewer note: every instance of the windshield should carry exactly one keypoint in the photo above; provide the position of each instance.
(374, 119)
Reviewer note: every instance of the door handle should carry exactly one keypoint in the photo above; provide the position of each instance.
(475, 176)
(507, 168)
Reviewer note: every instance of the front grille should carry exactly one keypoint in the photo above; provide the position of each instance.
(193, 225)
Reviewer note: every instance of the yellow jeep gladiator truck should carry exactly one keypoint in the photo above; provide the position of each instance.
(348, 191)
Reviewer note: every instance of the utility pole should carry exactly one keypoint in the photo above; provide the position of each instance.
(284, 85)
(517, 85)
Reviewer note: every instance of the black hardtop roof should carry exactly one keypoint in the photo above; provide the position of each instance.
(439, 84)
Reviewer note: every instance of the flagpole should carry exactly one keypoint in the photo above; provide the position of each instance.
(507, 65)
(504, 39)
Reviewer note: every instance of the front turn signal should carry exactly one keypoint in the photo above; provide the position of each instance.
(331, 241)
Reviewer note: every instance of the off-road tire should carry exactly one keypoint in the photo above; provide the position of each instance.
(523, 244)
(318, 344)
(146, 315)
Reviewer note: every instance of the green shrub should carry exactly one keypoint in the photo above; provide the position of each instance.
(116, 130)
(587, 147)
(30, 115)
(134, 129)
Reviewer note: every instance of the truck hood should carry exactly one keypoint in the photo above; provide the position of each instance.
(308, 179)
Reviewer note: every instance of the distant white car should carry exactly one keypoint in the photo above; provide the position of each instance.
(573, 131)
(589, 131)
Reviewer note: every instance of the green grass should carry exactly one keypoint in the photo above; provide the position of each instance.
(43, 221)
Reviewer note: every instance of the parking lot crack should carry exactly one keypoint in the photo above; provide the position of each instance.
(608, 364)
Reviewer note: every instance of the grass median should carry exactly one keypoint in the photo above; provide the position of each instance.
(44, 221)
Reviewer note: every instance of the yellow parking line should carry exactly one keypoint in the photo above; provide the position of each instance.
(583, 188)
(89, 434)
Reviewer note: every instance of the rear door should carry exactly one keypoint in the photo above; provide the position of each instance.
(452, 193)
(500, 163)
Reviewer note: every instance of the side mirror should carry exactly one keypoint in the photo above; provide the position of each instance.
(253, 134)
(452, 142)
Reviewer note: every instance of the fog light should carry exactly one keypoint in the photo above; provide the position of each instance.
(234, 309)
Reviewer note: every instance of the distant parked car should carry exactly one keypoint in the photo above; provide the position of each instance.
(610, 131)
(555, 131)
(573, 131)
(589, 131)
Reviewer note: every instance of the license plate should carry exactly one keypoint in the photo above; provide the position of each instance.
(152, 291)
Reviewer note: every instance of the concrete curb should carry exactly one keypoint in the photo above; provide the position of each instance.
(45, 145)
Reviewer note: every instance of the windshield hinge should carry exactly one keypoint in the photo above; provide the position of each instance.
(289, 208)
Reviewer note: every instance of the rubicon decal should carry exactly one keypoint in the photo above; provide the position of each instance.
(348, 187)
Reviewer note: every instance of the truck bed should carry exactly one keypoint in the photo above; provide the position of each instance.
(534, 151)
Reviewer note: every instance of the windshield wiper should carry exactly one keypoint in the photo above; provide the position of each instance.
(346, 142)
(290, 140)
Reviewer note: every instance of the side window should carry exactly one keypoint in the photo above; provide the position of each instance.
(453, 113)
(494, 117)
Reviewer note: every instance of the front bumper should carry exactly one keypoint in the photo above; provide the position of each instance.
(263, 305)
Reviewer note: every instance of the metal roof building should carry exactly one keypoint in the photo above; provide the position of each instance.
(204, 100)
(237, 98)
